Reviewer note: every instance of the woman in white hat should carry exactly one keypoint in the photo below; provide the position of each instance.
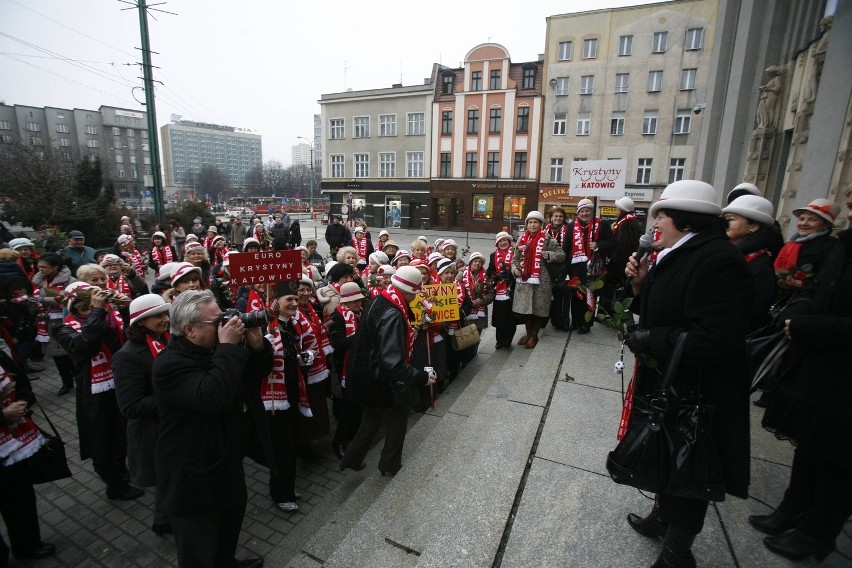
(147, 336)
(384, 236)
(52, 278)
(481, 293)
(127, 249)
(812, 241)
(161, 252)
(700, 285)
(361, 243)
(533, 285)
(28, 258)
(500, 273)
(197, 255)
(589, 238)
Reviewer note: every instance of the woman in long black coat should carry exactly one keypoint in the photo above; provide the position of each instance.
(700, 284)
(813, 407)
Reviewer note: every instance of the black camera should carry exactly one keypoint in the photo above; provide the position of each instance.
(250, 319)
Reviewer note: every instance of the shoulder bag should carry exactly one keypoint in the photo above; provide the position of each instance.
(465, 336)
(668, 447)
(49, 463)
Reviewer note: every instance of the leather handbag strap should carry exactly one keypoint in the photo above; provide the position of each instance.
(46, 417)
(673, 362)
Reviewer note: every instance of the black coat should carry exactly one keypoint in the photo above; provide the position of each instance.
(704, 287)
(759, 250)
(605, 242)
(814, 400)
(203, 431)
(337, 235)
(18, 317)
(135, 394)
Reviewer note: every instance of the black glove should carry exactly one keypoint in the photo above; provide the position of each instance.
(638, 340)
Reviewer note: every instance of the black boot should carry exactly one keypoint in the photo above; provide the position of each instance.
(651, 526)
(677, 550)
(796, 545)
(774, 523)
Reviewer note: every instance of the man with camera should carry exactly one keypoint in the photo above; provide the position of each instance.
(201, 382)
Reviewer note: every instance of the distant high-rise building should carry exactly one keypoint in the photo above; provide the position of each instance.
(190, 146)
(317, 142)
(301, 154)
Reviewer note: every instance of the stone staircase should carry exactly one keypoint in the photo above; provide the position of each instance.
(463, 465)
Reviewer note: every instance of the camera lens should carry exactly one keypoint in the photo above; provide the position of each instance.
(254, 319)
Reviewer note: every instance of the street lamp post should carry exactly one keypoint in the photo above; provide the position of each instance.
(311, 142)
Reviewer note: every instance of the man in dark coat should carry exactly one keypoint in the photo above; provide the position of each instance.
(280, 234)
(380, 373)
(337, 235)
(200, 381)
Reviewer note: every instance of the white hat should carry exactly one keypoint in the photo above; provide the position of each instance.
(383, 232)
(166, 270)
(433, 256)
(72, 289)
(182, 269)
(146, 306)
(305, 279)
(190, 238)
(329, 265)
(124, 239)
(194, 245)
(422, 238)
(535, 215)
(250, 241)
(474, 256)
(502, 235)
(399, 254)
(212, 229)
(585, 203)
(444, 264)
(301, 248)
(408, 279)
(745, 186)
(15, 244)
(625, 204)
(390, 243)
(438, 242)
(688, 195)
(110, 260)
(160, 234)
(448, 243)
(217, 239)
(386, 270)
(315, 275)
(379, 257)
(359, 229)
(123, 217)
(350, 292)
(752, 207)
(825, 208)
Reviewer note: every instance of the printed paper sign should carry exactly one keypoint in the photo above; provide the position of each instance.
(266, 267)
(598, 178)
(440, 301)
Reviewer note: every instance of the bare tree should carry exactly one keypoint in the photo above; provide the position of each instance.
(211, 182)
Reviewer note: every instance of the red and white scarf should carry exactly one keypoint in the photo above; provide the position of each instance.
(100, 371)
(502, 262)
(652, 256)
(391, 295)
(219, 255)
(161, 255)
(319, 329)
(21, 441)
(120, 284)
(255, 301)
(273, 389)
(460, 295)
(559, 234)
(350, 321)
(627, 405)
(626, 217)
(361, 246)
(471, 282)
(581, 250)
(155, 346)
(136, 261)
(308, 340)
(531, 247)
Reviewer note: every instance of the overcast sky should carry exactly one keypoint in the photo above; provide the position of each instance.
(256, 64)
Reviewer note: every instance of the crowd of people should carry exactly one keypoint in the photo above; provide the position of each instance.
(177, 383)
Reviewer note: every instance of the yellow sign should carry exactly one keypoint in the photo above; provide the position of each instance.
(441, 301)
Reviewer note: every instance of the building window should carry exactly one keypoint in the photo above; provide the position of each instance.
(643, 172)
(694, 39)
(60, 115)
(523, 119)
(131, 133)
(447, 122)
(63, 128)
(562, 86)
(119, 159)
(134, 173)
(494, 119)
(483, 207)
(116, 131)
(660, 41)
(520, 165)
(493, 170)
(445, 165)
(649, 122)
(559, 122)
(416, 123)
(362, 165)
(6, 139)
(472, 121)
(556, 169)
(683, 121)
(91, 129)
(514, 207)
(625, 45)
(92, 143)
(36, 140)
(447, 81)
(337, 128)
(476, 81)
(147, 161)
(387, 164)
(144, 134)
(616, 125)
(529, 78)
(687, 79)
(590, 48)
(565, 48)
(66, 156)
(64, 142)
(89, 119)
(132, 159)
(676, 167)
(655, 81)
(414, 164)
(587, 84)
(132, 146)
(35, 127)
(470, 160)
(362, 126)
(622, 82)
(584, 123)
(5, 125)
(387, 125)
(120, 172)
(495, 80)
(116, 144)
(337, 169)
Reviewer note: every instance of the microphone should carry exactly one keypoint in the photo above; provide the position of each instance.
(646, 241)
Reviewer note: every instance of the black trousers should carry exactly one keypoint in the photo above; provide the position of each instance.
(395, 422)
(208, 541)
(108, 440)
(282, 486)
(347, 414)
(65, 366)
(560, 314)
(18, 507)
(819, 489)
(683, 513)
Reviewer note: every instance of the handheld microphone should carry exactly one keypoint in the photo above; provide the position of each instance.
(646, 241)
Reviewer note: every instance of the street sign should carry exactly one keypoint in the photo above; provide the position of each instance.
(344, 209)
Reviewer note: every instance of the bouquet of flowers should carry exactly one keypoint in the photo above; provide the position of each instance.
(794, 278)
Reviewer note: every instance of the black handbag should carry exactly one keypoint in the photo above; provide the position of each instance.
(668, 447)
(765, 349)
(49, 463)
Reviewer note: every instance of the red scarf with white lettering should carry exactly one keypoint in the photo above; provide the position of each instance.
(350, 320)
(155, 346)
(394, 297)
(23, 438)
(652, 256)
(119, 284)
(100, 371)
(361, 246)
(471, 282)
(460, 295)
(531, 246)
(318, 328)
(308, 340)
(502, 262)
(273, 389)
(161, 255)
(627, 217)
(136, 261)
(255, 301)
(219, 255)
(581, 250)
(559, 234)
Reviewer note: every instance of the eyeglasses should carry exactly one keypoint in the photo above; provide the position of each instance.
(204, 321)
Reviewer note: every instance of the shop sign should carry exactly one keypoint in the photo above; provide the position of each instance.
(598, 178)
